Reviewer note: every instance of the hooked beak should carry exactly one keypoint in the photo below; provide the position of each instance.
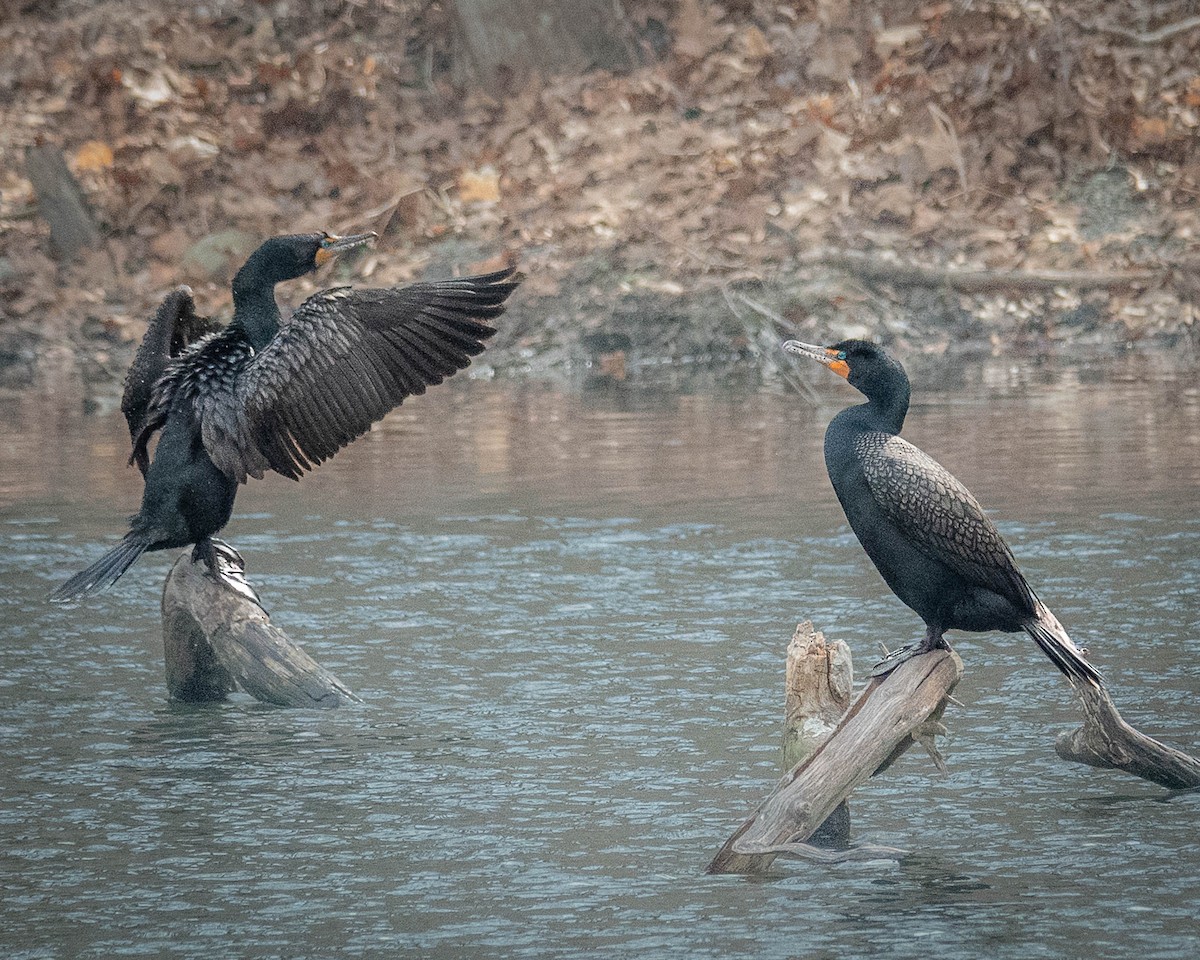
(825, 355)
(341, 245)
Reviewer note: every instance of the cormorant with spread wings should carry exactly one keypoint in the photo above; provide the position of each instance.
(265, 395)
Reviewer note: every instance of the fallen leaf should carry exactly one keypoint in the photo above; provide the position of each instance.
(1147, 132)
(93, 156)
(894, 39)
(754, 44)
(1192, 96)
(482, 185)
(150, 89)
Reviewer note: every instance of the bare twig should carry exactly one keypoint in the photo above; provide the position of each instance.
(768, 360)
(781, 325)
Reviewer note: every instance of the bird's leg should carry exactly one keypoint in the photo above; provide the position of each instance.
(206, 552)
(933, 641)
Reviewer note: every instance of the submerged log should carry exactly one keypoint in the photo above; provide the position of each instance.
(217, 639)
(1106, 740)
(891, 714)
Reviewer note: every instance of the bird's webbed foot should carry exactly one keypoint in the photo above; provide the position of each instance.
(894, 658)
(226, 566)
(933, 641)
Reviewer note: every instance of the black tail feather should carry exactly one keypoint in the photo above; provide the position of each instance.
(104, 572)
(1050, 635)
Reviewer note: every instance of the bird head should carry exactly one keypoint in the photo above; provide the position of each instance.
(289, 257)
(867, 366)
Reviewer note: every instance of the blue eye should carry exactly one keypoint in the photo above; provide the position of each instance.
(841, 355)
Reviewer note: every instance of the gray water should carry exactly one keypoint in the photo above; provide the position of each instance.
(567, 617)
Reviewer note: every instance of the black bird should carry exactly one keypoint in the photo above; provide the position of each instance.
(175, 327)
(920, 526)
(261, 394)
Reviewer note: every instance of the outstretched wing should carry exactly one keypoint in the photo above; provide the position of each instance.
(174, 328)
(936, 513)
(344, 360)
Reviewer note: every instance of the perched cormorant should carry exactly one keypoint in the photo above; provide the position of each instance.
(920, 526)
(261, 394)
(175, 327)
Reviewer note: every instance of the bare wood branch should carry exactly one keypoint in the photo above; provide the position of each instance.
(777, 320)
(807, 851)
(890, 715)
(818, 686)
(1106, 740)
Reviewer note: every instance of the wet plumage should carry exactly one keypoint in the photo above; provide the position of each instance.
(924, 531)
(174, 327)
(263, 395)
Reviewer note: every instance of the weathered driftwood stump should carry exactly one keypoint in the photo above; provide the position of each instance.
(818, 685)
(891, 714)
(217, 640)
(1106, 740)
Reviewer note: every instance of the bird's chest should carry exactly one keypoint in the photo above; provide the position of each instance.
(917, 580)
(212, 373)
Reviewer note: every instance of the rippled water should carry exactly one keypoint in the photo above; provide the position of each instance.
(567, 618)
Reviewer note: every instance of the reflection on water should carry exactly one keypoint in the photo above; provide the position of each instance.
(567, 619)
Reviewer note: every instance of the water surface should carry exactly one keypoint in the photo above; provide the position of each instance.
(567, 617)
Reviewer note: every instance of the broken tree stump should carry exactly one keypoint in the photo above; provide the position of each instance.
(60, 201)
(1106, 740)
(891, 714)
(217, 639)
(818, 685)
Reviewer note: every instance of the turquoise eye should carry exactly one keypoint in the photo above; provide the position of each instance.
(841, 355)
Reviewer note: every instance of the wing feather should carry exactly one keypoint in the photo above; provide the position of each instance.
(344, 360)
(174, 329)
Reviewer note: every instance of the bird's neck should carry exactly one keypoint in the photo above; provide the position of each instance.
(884, 414)
(255, 311)
(890, 413)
